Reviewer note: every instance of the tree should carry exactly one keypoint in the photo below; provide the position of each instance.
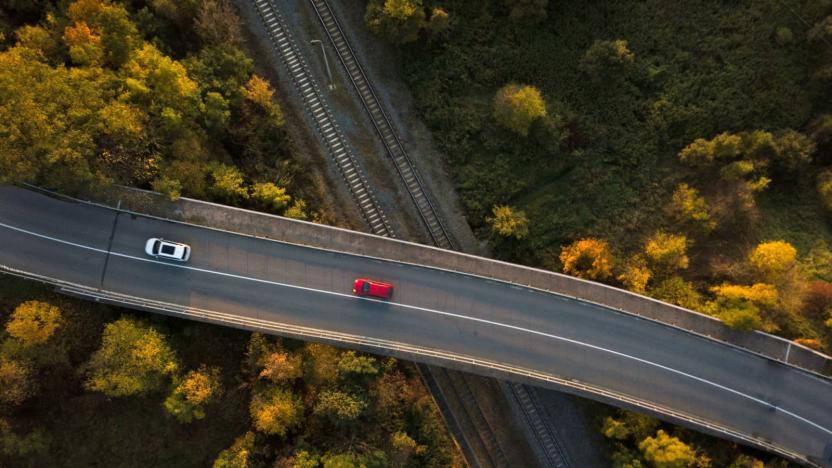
(527, 11)
(354, 364)
(119, 36)
(340, 407)
(746, 461)
(686, 206)
(676, 290)
(794, 149)
(217, 23)
(605, 57)
(626, 424)
(281, 367)
(259, 92)
(159, 83)
(269, 196)
(667, 252)
(825, 188)
(508, 223)
(236, 456)
(738, 306)
(699, 153)
(438, 22)
(321, 364)
(170, 188)
(84, 44)
(133, 359)
(516, 107)
(227, 183)
(196, 390)
(664, 451)
(297, 210)
(773, 259)
(16, 383)
(34, 322)
(397, 21)
(587, 258)
(404, 447)
(275, 410)
(636, 275)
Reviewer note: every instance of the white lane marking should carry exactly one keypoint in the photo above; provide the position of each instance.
(437, 312)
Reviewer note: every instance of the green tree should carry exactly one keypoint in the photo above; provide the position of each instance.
(352, 364)
(527, 11)
(16, 382)
(340, 407)
(133, 359)
(227, 183)
(189, 397)
(794, 150)
(516, 107)
(34, 322)
(160, 83)
(664, 451)
(21, 446)
(508, 223)
(606, 57)
(238, 455)
(396, 21)
(676, 290)
(275, 410)
(170, 188)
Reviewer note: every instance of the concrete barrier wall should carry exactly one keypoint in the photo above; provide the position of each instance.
(327, 237)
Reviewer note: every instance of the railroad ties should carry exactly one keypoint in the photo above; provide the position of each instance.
(404, 166)
(317, 107)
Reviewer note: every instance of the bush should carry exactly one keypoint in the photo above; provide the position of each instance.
(667, 252)
(587, 258)
(825, 188)
(772, 259)
(604, 58)
(34, 322)
(396, 21)
(508, 223)
(275, 410)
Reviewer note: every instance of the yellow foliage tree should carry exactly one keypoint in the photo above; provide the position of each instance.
(587, 258)
(636, 275)
(276, 411)
(197, 389)
(772, 259)
(664, 451)
(508, 223)
(687, 206)
(667, 252)
(825, 188)
(84, 44)
(517, 107)
(279, 367)
(34, 322)
(15, 382)
(760, 293)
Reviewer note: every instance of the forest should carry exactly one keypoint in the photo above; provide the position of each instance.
(162, 95)
(680, 150)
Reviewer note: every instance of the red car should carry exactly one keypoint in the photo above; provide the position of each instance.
(367, 287)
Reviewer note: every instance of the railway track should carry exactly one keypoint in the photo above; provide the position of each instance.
(361, 191)
(552, 453)
(404, 166)
(318, 109)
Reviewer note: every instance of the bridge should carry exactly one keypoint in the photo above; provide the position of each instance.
(438, 316)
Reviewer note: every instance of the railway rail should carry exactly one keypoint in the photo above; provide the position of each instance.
(318, 109)
(404, 166)
(551, 450)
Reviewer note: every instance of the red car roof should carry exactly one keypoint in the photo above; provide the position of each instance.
(368, 287)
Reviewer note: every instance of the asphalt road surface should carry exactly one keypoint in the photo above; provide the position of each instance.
(432, 309)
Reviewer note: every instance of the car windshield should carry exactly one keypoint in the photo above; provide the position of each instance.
(366, 287)
(168, 249)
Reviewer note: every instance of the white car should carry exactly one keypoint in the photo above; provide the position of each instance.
(161, 248)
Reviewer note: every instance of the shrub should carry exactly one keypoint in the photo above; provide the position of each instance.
(636, 275)
(189, 398)
(604, 57)
(508, 223)
(34, 322)
(275, 410)
(396, 21)
(825, 188)
(772, 259)
(664, 451)
(667, 252)
(686, 206)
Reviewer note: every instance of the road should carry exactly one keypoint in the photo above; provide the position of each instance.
(431, 309)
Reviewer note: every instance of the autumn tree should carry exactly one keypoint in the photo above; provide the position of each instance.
(676, 290)
(516, 107)
(397, 21)
(666, 252)
(739, 306)
(688, 207)
(34, 322)
(16, 382)
(281, 367)
(275, 410)
(119, 36)
(161, 84)
(227, 183)
(192, 393)
(825, 188)
(438, 22)
(320, 364)
(269, 196)
(604, 58)
(587, 258)
(84, 44)
(260, 94)
(170, 188)
(664, 451)
(636, 275)
(133, 359)
(508, 222)
(527, 11)
(217, 23)
(339, 406)
(794, 150)
(298, 210)
(238, 455)
(404, 447)
(773, 259)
